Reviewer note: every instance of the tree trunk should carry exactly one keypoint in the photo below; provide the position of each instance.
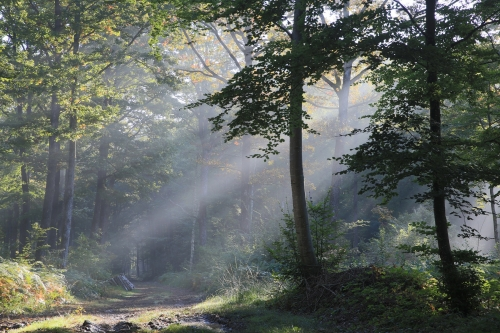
(99, 203)
(56, 211)
(203, 134)
(343, 96)
(191, 254)
(24, 222)
(450, 272)
(494, 213)
(69, 183)
(12, 234)
(69, 191)
(55, 111)
(50, 184)
(246, 187)
(106, 209)
(308, 261)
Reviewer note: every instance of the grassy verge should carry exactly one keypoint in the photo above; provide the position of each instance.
(248, 312)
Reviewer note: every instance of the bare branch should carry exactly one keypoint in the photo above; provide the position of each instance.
(216, 33)
(198, 55)
(476, 29)
(197, 71)
(237, 42)
(284, 29)
(335, 86)
(359, 75)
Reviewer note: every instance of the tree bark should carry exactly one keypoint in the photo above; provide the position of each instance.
(494, 213)
(55, 111)
(69, 184)
(12, 232)
(245, 186)
(203, 134)
(449, 270)
(50, 184)
(339, 150)
(56, 211)
(69, 191)
(99, 203)
(308, 261)
(24, 221)
(246, 146)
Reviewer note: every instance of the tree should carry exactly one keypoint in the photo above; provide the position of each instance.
(431, 64)
(269, 95)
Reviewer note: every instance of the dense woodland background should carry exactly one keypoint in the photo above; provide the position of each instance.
(109, 163)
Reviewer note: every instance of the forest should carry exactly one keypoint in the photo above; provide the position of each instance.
(265, 166)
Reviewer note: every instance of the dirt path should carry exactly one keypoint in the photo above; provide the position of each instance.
(146, 296)
(116, 313)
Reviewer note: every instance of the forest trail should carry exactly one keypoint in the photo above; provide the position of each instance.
(168, 305)
(145, 296)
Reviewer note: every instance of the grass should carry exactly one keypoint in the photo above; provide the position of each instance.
(357, 300)
(59, 324)
(248, 313)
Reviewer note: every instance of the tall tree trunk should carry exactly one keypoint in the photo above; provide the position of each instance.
(203, 134)
(106, 209)
(309, 263)
(343, 96)
(99, 203)
(69, 184)
(245, 186)
(24, 222)
(202, 208)
(50, 184)
(449, 270)
(12, 230)
(191, 253)
(494, 213)
(55, 111)
(56, 210)
(69, 191)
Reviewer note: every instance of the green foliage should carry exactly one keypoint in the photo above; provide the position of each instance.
(32, 245)
(83, 286)
(30, 288)
(329, 245)
(233, 271)
(90, 257)
(464, 278)
(89, 268)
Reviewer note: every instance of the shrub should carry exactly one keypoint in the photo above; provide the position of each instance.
(329, 245)
(30, 288)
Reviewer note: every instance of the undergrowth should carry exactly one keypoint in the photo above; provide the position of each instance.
(387, 299)
(26, 288)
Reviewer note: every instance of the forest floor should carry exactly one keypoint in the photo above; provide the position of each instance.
(150, 307)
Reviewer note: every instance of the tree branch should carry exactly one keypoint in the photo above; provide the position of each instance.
(191, 45)
(335, 86)
(216, 33)
(412, 19)
(284, 29)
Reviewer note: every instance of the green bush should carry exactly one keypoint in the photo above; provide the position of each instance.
(327, 238)
(91, 258)
(88, 268)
